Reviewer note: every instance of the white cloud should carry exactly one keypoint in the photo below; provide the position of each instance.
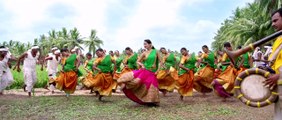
(145, 21)
(156, 14)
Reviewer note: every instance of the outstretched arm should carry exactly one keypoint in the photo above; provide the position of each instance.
(21, 58)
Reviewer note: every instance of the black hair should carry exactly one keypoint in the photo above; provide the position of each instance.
(111, 51)
(64, 50)
(183, 49)
(277, 11)
(100, 49)
(128, 48)
(205, 46)
(88, 54)
(162, 48)
(239, 47)
(227, 44)
(2, 46)
(149, 42)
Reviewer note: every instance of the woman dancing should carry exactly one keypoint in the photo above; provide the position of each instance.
(141, 85)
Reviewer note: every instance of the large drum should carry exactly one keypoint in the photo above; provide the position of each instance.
(250, 89)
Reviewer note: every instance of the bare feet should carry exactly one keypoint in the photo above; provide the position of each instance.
(46, 87)
(97, 93)
(91, 91)
(181, 98)
(164, 92)
(1, 93)
(100, 97)
(83, 88)
(53, 92)
(24, 88)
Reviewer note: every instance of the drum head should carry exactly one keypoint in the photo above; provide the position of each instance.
(253, 88)
(249, 88)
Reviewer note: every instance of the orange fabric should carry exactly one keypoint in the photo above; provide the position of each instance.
(103, 83)
(167, 79)
(86, 81)
(67, 81)
(185, 84)
(241, 70)
(227, 78)
(203, 79)
(126, 70)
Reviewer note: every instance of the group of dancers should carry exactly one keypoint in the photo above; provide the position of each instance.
(140, 76)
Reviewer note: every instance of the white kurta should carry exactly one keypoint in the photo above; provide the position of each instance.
(52, 67)
(6, 77)
(29, 69)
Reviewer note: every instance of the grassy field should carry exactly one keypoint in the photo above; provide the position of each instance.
(42, 78)
(118, 107)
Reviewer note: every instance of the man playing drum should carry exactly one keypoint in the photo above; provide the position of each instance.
(276, 59)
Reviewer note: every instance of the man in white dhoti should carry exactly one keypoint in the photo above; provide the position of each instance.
(29, 67)
(52, 68)
(6, 77)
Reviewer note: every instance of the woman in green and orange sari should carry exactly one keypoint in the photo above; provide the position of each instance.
(141, 85)
(130, 62)
(204, 77)
(167, 75)
(88, 67)
(102, 81)
(224, 83)
(117, 72)
(186, 73)
(67, 79)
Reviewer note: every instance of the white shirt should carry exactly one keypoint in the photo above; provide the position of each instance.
(52, 67)
(30, 61)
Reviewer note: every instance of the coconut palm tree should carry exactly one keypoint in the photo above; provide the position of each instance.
(93, 42)
(245, 26)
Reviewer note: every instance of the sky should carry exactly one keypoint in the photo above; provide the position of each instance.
(172, 24)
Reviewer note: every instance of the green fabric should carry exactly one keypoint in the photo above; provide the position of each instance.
(151, 61)
(70, 64)
(106, 64)
(132, 61)
(89, 65)
(210, 59)
(118, 64)
(169, 62)
(223, 67)
(246, 60)
(190, 64)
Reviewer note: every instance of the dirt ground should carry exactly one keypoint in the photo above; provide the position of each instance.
(209, 107)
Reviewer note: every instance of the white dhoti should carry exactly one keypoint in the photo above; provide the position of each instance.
(29, 78)
(52, 77)
(7, 80)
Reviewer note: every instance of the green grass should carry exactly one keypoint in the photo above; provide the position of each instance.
(121, 108)
(88, 108)
(42, 78)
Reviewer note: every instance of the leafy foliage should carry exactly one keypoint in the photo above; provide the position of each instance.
(247, 24)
